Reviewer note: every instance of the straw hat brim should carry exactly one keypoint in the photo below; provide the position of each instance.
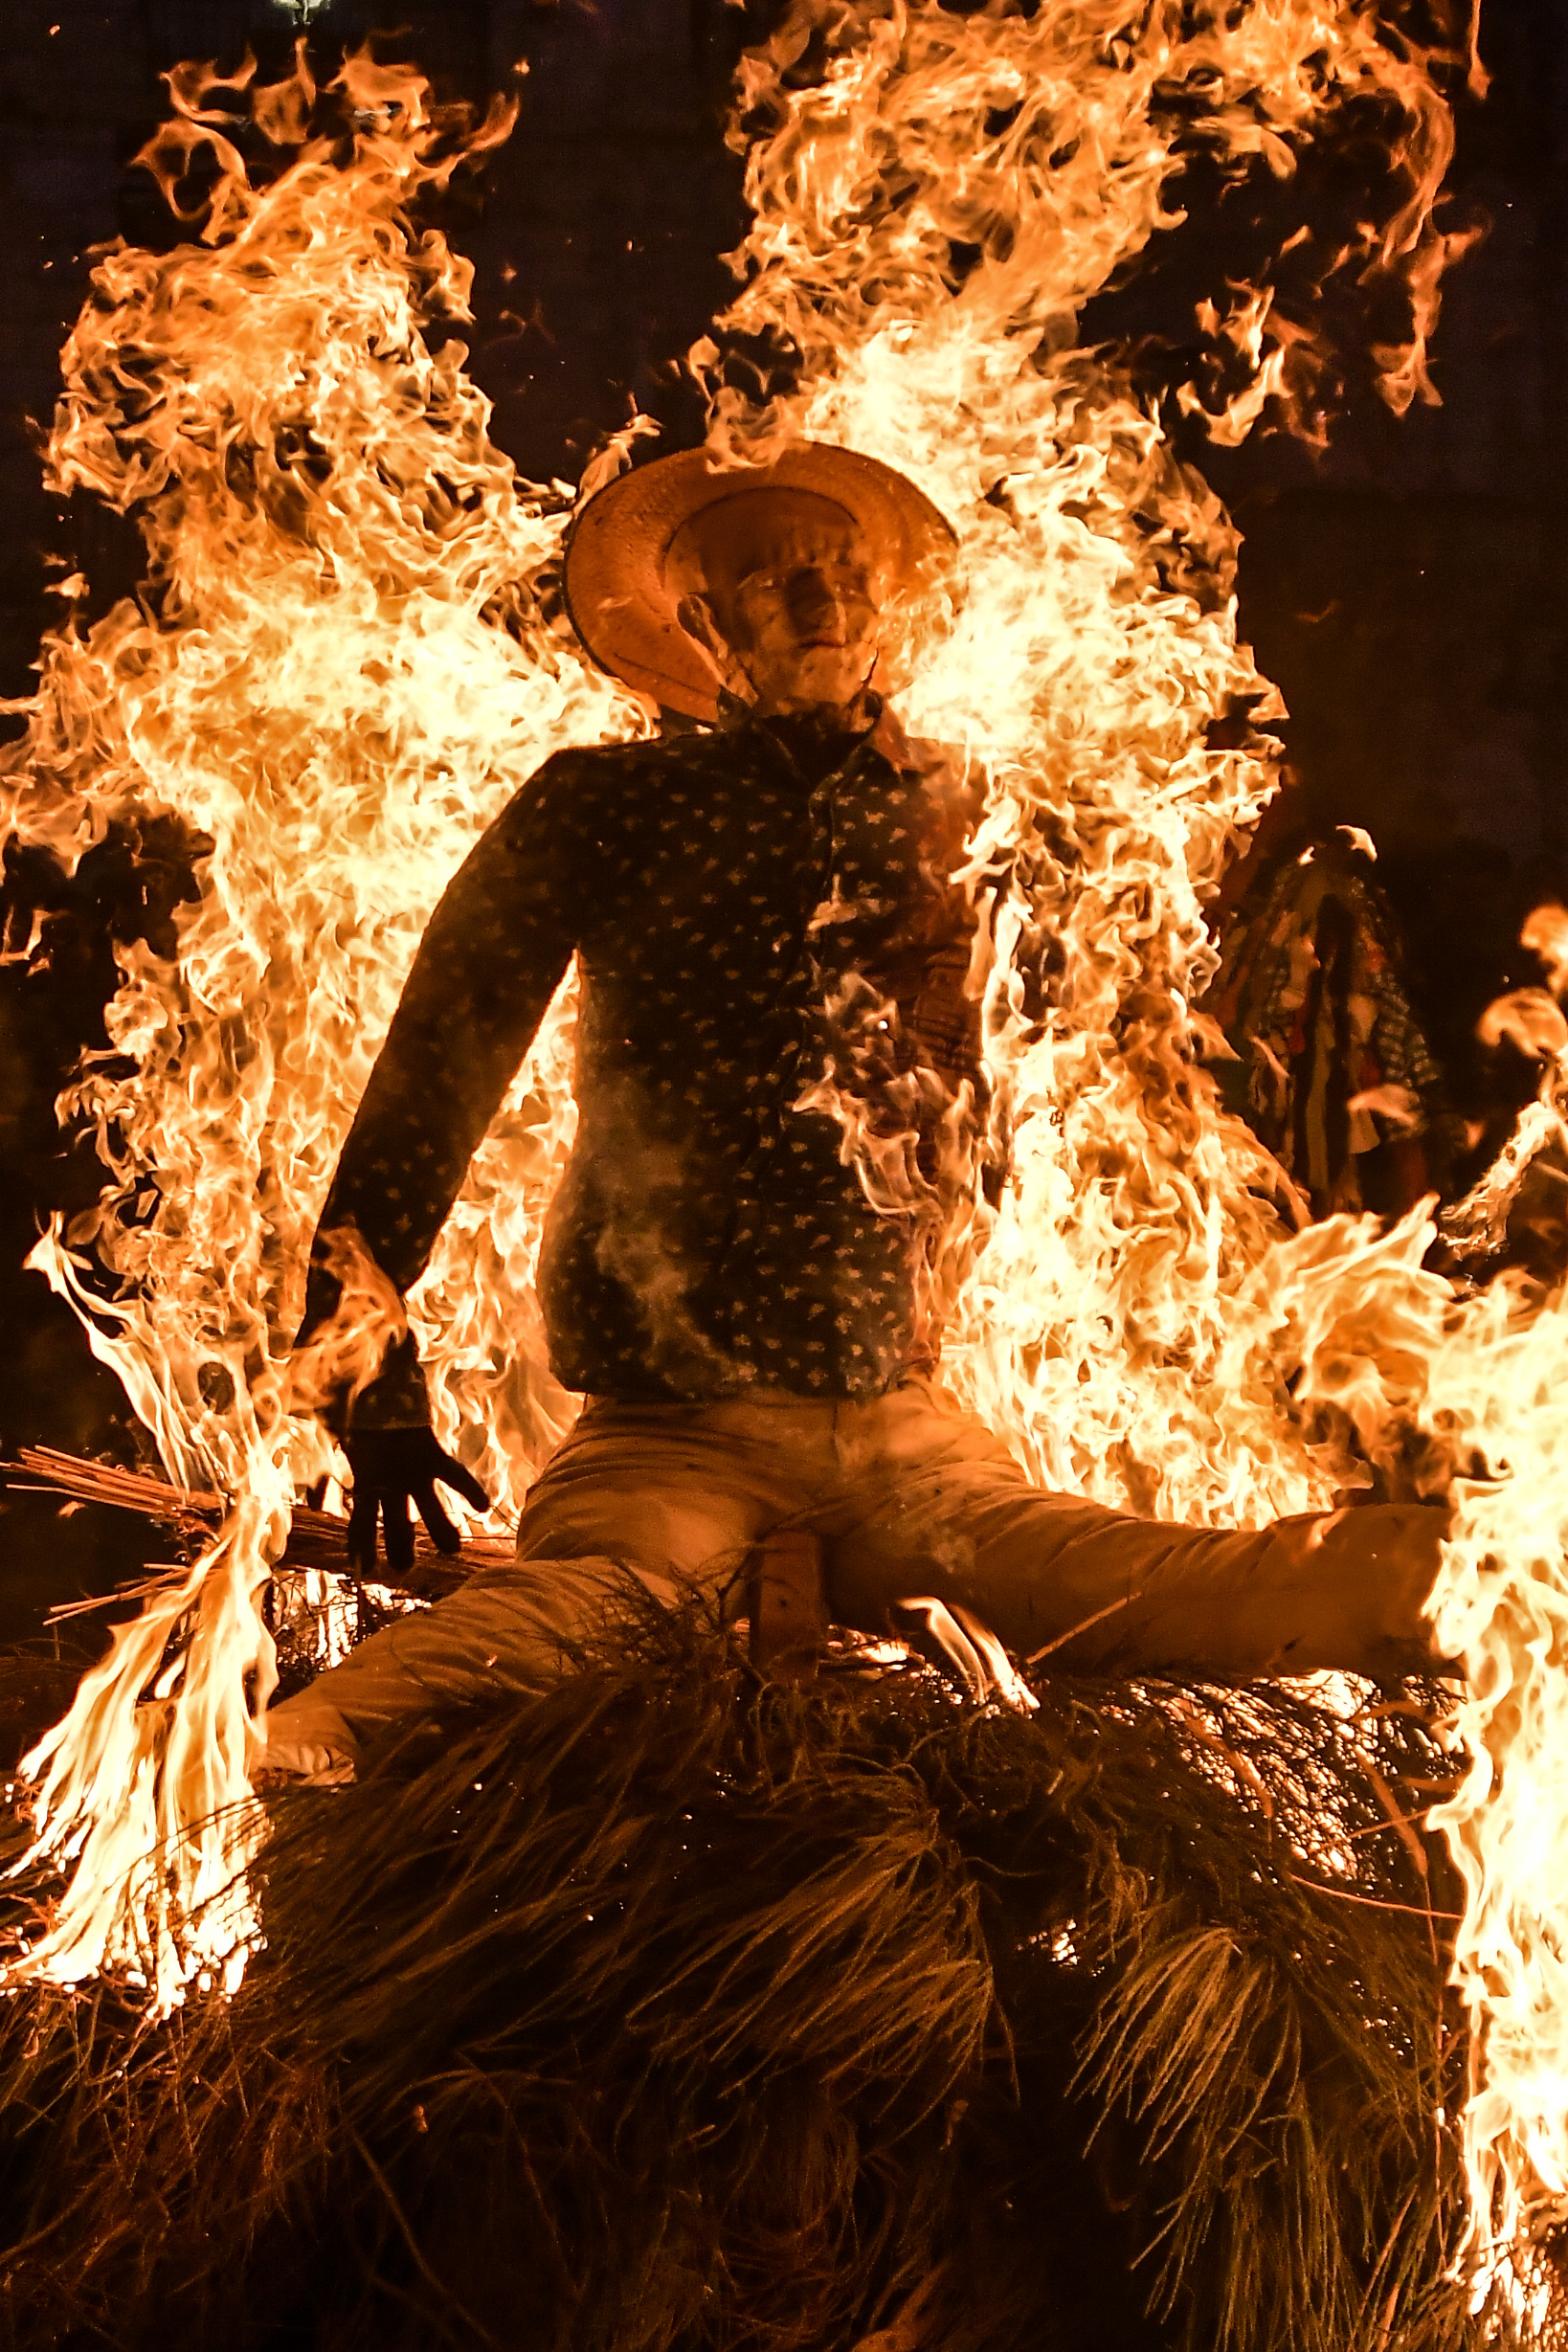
(624, 609)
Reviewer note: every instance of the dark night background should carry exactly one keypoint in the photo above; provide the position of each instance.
(1405, 590)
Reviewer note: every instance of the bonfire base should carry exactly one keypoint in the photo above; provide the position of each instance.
(677, 2009)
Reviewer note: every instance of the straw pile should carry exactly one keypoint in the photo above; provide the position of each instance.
(680, 2010)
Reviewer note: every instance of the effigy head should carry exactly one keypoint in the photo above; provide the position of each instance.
(788, 583)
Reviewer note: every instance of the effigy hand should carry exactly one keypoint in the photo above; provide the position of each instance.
(393, 1468)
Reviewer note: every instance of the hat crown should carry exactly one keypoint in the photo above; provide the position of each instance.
(625, 573)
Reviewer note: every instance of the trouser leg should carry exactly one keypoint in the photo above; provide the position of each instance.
(938, 1504)
(665, 1499)
(678, 1489)
(911, 1496)
(508, 1630)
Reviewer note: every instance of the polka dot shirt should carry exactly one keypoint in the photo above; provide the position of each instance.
(773, 963)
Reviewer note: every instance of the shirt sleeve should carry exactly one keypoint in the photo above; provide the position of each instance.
(492, 956)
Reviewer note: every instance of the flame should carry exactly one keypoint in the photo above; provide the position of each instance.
(1126, 1318)
(979, 1664)
(352, 654)
(346, 670)
(1545, 932)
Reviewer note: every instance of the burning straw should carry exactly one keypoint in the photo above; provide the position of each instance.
(670, 2008)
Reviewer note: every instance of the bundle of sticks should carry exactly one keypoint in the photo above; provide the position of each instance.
(317, 1538)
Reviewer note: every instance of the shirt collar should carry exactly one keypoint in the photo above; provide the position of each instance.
(879, 728)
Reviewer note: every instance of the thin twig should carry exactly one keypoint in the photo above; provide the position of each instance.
(441, 2286)
(1375, 1902)
(1073, 1631)
(1407, 1838)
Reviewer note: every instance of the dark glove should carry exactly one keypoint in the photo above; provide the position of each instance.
(393, 1467)
(395, 1400)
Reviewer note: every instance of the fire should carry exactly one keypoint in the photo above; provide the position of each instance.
(354, 655)
(349, 673)
(1128, 1323)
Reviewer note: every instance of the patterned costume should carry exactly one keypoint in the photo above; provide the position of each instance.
(1334, 1062)
(759, 913)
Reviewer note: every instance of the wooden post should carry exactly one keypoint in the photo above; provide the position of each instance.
(787, 1605)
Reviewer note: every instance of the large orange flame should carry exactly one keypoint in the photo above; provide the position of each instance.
(345, 672)
(352, 657)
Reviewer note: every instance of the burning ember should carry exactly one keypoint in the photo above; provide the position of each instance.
(352, 652)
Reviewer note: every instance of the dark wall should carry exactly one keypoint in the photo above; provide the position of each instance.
(1408, 590)
(1404, 587)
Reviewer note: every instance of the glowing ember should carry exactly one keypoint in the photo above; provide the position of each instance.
(354, 660)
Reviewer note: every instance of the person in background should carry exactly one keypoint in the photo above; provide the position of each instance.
(1332, 1071)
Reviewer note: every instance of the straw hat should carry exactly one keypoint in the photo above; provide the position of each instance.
(621, 589)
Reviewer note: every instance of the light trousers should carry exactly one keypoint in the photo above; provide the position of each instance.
(907, 1496)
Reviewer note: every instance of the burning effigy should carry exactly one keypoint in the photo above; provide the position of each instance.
(887, 1988)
